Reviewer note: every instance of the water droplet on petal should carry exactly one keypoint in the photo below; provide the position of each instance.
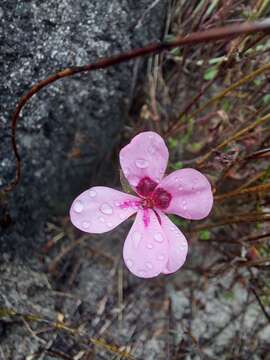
(149, 265)
(92, 193)
(142, 163)
(129, 263)
(180, 188)
(158, 237)
(149, 246)
(102, 219)
(136, 236)
(161, 257)
(141, 273)
(184, 203)
(106, 209)
(109, 224)
(151, 150)
(122, 216)
(117, 203)
(78, 206)
(85, 225)
(172, 228)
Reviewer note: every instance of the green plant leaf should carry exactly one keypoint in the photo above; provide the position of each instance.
(204, 235)
(172, 143)
(210, 73)
(125, 185)
(177, 165)
(266, 99)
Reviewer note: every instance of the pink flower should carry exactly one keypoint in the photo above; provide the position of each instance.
(154, 244)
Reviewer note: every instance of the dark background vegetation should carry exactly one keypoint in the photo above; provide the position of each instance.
(66, 295)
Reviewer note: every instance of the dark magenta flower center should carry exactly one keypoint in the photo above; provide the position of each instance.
(153, 198)
(146, 186)
(161, 198)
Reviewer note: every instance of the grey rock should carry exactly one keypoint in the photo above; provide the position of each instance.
(23, 291)
(67, 136)
(82, 115)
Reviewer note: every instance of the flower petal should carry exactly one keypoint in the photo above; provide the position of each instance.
(146, 248)
(192, 196)
(100, 209)
(145, 156)
(178, 245)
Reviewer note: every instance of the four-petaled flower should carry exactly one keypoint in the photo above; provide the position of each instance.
(154, 244)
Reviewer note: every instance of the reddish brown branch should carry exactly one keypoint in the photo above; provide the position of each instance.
(194, 38)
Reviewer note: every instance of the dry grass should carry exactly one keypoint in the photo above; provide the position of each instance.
(212, 105)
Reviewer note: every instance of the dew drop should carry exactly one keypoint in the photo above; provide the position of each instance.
(158, 237)
(85, 225)
(161, 257)
(78, 206)
(172, 228)
(136, 236)
(122, 216)
(149, 246)
(129, 263)
(142, 163)
(180, 188)
(117, 203)
(102, 219)
(184, 203)
(141, 273)
(149, 265)
(151, 150)
(106, 209)
(176, 179)
(109, 224)
(92, 193)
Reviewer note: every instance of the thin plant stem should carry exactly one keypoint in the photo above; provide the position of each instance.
(214, 34)
(240, 192)
(235, 136)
